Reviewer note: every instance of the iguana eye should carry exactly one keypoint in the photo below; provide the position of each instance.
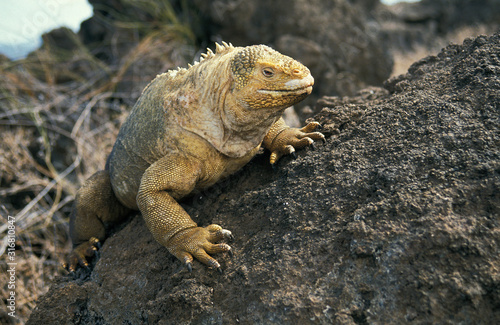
(268, 72)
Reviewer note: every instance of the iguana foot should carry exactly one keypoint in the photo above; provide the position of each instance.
(80, 254)
(198, 242)
(289, 139)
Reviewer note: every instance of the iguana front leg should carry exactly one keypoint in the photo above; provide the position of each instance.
(282, 139)
(165, 181)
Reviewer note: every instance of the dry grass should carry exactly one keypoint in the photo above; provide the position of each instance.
(40, 169)
(60, 111)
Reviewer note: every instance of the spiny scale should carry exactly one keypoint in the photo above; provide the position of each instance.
(218, 50)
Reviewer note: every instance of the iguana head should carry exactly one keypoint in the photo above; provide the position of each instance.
(265, 78)
(233, 96)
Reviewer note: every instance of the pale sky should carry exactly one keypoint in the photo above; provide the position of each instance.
(23, 21)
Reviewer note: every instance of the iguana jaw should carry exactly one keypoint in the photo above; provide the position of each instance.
(287, 92)
(295, 86)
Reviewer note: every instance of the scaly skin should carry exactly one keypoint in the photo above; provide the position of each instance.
(190, 128)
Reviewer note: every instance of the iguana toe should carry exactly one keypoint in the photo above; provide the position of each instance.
(81, 253)
(289, 139)
(199, 242)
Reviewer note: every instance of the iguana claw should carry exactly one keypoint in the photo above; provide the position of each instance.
(80, 254)
(288, 139)
(199, 242)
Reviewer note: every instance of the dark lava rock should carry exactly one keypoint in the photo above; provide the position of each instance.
(394, 220)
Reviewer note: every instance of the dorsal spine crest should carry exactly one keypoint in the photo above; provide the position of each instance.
(219, 50)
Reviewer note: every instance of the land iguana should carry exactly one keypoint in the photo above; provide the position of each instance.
(190, 128)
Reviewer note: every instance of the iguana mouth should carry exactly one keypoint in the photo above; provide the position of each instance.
(306, 89)
(297, 86)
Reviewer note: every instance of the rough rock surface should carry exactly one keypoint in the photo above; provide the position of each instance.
(395, 219)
